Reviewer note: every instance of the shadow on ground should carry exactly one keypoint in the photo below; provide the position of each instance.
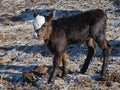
(28, 15)
(44, 51)
(116, 3)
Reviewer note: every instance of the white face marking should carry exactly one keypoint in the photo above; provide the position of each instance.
(38, 22)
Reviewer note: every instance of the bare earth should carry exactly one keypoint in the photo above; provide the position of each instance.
(26, 63)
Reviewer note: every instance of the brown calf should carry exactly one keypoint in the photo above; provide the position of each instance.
(89, 27)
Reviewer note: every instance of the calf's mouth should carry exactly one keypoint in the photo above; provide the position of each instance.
(35, 35)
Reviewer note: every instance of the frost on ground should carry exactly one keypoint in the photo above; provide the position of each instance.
(26, 63)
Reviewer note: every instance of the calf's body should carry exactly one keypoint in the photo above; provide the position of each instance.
(86, 27)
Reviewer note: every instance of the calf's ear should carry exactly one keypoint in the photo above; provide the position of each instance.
(51, 16)
(35, 13)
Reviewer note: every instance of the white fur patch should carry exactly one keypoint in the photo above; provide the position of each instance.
(38, 21)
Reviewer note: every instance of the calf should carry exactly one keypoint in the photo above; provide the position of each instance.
(89, 27)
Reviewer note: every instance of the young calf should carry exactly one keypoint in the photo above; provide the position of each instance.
(86, 27)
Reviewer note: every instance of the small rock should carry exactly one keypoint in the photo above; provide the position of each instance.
(108, 84)
(2, 53)
(28, 38)
(19, 88)
(88, 81)
(3, 60)
(1, 20)
(4, 37)
(43, 69)
(112, 76)
(71, 69)
(60, 82)
(30, 77)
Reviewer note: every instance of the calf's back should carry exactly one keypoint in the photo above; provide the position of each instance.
(76, 29)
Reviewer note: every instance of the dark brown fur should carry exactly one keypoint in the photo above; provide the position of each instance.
(86, 27)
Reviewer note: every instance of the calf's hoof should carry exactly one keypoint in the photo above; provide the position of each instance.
(50, 81)
(82, 71)
(64, 75)
(104, 75)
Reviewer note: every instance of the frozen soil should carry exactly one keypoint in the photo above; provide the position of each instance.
(26, 63)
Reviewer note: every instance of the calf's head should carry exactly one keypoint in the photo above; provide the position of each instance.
(42, 25)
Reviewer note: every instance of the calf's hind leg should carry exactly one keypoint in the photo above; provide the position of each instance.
(91, 50)
(105, 46)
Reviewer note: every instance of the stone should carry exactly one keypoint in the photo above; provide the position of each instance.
(3, 60)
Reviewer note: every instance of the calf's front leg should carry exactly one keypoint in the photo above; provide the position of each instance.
(64, 68)
(56, 62)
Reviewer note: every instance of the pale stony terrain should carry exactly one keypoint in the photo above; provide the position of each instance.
(26, 63)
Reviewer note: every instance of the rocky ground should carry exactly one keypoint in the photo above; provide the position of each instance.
(25, 63)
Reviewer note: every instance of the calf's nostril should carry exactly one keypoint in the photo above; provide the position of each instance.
(38, 35)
